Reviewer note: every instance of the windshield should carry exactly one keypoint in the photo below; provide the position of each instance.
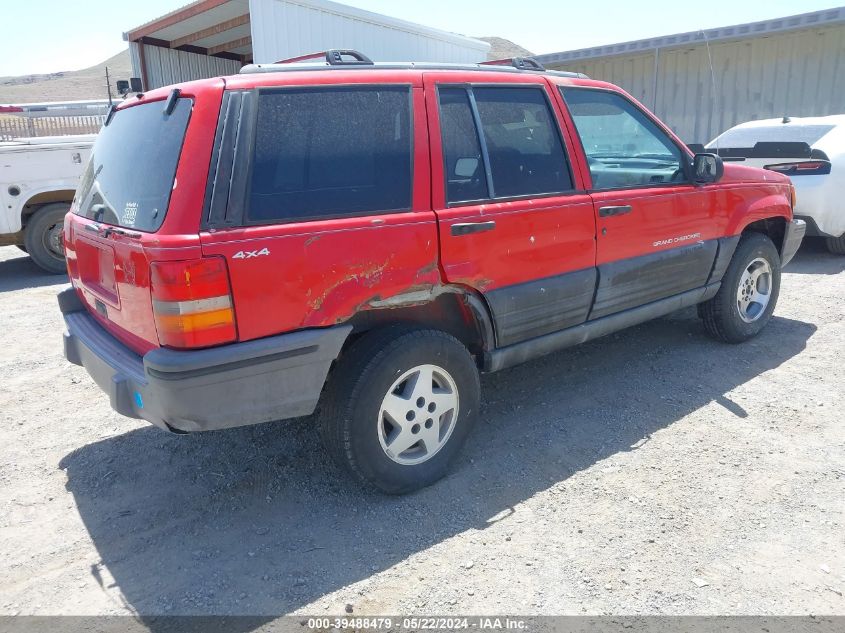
(130, 175)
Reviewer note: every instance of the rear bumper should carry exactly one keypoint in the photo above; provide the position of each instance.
(795, 231)
(233, 385)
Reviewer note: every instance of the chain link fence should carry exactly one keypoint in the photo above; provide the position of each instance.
(15, 127)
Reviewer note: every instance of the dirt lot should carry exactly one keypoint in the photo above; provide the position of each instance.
(653, 471)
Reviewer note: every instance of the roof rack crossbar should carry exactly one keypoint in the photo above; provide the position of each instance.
(301, 58)
(523, 63)
(333, 57)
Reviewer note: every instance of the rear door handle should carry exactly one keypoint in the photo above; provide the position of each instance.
(605, 212)
(465, 228)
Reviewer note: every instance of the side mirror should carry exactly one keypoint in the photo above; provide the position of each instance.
(707, 168)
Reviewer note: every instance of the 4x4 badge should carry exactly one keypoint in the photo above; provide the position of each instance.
(250, 254)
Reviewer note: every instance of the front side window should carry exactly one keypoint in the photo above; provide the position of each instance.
(624, 147)
(331, 152)
(500, 142)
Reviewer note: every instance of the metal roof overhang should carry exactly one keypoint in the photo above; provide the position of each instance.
(219, 28)
(739, 31)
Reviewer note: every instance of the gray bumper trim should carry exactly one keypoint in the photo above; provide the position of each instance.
(234, 385)
(813, 229)
(795, 231)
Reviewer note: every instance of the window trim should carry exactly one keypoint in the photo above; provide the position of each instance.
(527, 196)
(218, 213)
(482, 144)
(492, 198)
(246, 221)
(686, 165)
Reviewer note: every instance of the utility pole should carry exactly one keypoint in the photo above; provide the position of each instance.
(108, 85)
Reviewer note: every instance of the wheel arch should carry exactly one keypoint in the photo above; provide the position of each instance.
(456, 310)
(773, 227)
(42, 198)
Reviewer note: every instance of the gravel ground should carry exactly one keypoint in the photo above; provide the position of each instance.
(652, 471)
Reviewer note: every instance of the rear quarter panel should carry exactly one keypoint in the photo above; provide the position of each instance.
(322, 272)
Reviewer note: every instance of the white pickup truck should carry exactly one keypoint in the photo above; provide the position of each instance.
(38, 177)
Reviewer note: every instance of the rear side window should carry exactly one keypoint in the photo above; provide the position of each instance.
(130, 175)
(500, 142)
(331, 152)
(523, 143)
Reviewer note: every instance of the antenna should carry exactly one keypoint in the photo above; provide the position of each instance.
(714, 99)
(108, 85)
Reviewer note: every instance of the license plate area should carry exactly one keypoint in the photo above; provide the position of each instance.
(97, 271)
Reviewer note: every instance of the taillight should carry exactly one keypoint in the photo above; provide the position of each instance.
(192, 302)
(806, 168)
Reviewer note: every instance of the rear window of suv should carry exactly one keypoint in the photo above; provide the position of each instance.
(331, 152)
(130, 175)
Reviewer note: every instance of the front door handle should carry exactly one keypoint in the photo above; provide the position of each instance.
(465, 228)
(605, 212)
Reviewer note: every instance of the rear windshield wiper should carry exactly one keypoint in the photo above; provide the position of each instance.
(102, 231)
(118, 231)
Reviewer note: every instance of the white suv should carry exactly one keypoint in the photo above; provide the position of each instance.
(811, 151)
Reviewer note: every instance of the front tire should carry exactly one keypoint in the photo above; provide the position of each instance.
(748, 294)
(400, 404)
(836, 245)
(42, 239)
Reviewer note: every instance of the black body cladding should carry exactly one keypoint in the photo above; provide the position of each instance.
(535, 308)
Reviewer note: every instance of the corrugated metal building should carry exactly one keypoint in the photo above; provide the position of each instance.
(788, 66)
(216, 37)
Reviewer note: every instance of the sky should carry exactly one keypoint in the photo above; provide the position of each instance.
(42, 36)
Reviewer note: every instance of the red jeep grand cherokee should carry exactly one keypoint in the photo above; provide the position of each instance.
(368, 237)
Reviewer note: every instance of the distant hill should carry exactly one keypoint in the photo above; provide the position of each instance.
(88, 83)
(500, 48)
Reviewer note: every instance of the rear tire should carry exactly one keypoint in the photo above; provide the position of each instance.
(42, 238)
(748, 294)
(399, 406)
(836, 245)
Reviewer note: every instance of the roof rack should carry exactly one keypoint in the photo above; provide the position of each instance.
(333, 57)
(522, 63)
